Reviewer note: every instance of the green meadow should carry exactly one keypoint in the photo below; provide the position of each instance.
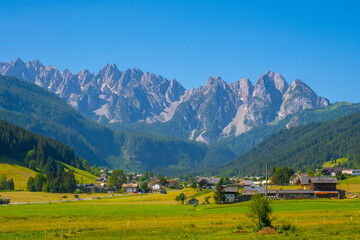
(15, 170)
(156, 216)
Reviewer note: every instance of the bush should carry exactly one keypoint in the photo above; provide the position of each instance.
(181, 198)
(286, 228)
(260, 211)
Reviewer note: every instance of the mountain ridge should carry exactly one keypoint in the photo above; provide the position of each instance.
(34, 108)
(213, 111)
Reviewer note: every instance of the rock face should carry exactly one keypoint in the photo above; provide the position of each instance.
(217, 109)
(299, 96)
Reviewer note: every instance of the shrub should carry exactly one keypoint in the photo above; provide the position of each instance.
(260, 211)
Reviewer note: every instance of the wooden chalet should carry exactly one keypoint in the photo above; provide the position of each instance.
(324, 187)
(208, 183)
(257, 189)
(303, 182)
(230, 194)
(244, 183)
(130, 187)
(172, 184)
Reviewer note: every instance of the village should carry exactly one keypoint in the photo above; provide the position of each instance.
(232, 190)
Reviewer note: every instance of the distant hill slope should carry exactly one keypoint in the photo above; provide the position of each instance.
(27, 105)
(15, 170)
(40, 111)
(166, 155)
(23, 153)
(303, 147)
(81, 175)
(246, 141)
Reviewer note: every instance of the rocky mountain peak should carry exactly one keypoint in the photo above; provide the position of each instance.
(300, 96)
(216, 109)
(277, 80)
(214, 83)
(18, 63)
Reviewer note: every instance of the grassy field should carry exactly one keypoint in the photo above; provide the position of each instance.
(335, 162)
(81, 175)
(158, 216)
(13, 169)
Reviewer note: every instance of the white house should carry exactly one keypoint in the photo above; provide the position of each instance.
(230, 193)
(351, 172)
(156, 186)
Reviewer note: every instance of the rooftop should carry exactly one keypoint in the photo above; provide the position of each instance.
(323, 180)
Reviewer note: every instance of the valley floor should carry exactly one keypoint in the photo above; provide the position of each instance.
(158, 216)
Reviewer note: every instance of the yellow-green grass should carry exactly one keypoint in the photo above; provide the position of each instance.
(81, 175)
(351, 184)
(11, 168)
(22, 196)
(152, 198)
(335, 162)
(99, 219)
(158, 198)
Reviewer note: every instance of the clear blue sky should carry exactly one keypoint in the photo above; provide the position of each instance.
(315, 41)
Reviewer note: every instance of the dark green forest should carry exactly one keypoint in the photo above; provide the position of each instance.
(41, 154)
(301, 148)
(31, 107)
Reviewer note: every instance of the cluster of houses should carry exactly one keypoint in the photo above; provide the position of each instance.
(309, 188)
(101, 185)
(333, 171)
(242, 190)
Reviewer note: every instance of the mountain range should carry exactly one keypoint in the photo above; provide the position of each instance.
(138, 100)
(138, 121)
(34, 108)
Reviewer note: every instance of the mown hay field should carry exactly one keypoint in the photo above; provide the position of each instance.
(13, 169)
(158, 216)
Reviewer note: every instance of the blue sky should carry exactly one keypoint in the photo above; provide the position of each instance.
(315, 41)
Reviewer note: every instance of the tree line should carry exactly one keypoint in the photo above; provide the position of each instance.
(6, 184)
(302, 148)
(41, 154)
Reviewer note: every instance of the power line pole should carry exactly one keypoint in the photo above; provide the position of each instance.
(266, 181)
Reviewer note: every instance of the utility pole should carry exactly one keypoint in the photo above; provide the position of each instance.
(266, 181)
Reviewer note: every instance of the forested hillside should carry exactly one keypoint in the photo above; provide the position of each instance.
(42, 112)
(246, 141)
(41, 154)
(139, 151)
(29, 106)
(301, 148)
(149, 152)
(36, 152)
